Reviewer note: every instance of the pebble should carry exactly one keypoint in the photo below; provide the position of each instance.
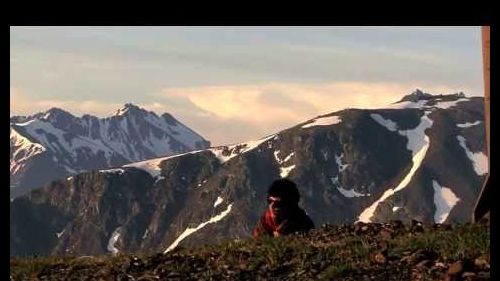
(468, 274)
(483, 275)
(456, 268)
(424, 263)
(481, 263)
(385, 234)
(380, 258)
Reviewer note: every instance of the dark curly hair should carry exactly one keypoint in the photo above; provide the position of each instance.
(284, 189)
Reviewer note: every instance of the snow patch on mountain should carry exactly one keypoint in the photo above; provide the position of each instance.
(389, 124)
(159, 146)
(407, 104)
(70, 170)
(323, 121)
(449, 104)
(467, 124)
(225, 153)
(395, 208)
(218, 201)
(45, 131)
(285, 171)
(23, 150)
(422, 104)
(122, 111)
(479, 160)
(284, 160)
(351, 192)
(150, 166)
(112, 241)
(444, 200)
(418, 143)
(59, 234)
(190, 231)
(112, 171)
(288, 157)
(179, 131)
(338, 160)
(335, 180)
(276, 156)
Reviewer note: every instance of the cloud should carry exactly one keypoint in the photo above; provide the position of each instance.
(292, 101)
(199, 56)
(235, 113)
(226, 114)
(23, 104)
(19, 103)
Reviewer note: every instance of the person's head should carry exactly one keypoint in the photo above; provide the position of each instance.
(282, 195)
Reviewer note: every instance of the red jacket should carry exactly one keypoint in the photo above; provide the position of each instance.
(296, 221)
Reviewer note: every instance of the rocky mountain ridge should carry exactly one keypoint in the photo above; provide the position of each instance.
(421, 160)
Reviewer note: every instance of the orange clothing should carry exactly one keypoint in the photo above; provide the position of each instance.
(296, 221)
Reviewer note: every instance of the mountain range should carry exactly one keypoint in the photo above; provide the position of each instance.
(55, 144)
(423, 158)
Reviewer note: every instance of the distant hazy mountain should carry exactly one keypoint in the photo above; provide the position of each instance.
(55, 144)
(420, 158)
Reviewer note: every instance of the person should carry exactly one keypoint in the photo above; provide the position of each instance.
(283, 215)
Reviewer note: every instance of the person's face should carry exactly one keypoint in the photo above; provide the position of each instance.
(276, 205)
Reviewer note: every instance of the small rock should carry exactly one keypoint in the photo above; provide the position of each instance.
(441, 265)
(420, 255)
(456, 268)
(483, 275)
(445, 227)
(468, 274)
(174, 274)
(417, 229)
(424, 263)
(397, 223)
(481, 264)
(380, 258)
(405, 259)
(416, 223)
(385, 234)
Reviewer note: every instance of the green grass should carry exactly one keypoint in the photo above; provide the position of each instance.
(324, 255)
(465, 241)
(337, 271)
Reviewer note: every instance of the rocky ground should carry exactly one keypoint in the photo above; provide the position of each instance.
(389, 251)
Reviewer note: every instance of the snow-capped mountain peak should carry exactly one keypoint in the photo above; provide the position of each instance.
(84, 143)
(130, 108)
(419, 95)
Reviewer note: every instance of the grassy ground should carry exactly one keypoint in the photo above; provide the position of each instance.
(349, 252)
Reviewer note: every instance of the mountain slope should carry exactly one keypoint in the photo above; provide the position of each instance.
(55, 144)
(412, 160)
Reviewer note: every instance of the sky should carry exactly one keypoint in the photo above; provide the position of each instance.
(235, 84)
